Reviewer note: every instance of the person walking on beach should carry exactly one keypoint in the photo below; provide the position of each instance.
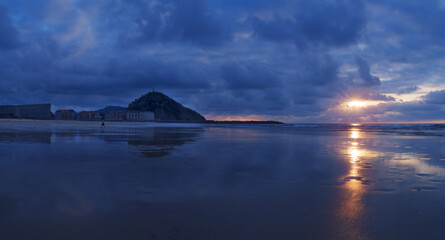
(103, 120)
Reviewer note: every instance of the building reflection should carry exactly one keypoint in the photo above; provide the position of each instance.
(159, 142)
(145, 142)
(41, 137)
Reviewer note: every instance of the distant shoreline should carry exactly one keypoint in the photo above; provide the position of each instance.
(209, 122)
(243, 122)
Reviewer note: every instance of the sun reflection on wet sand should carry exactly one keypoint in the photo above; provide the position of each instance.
(361, 154)
(351, 205)
(354, 154)
(353, 181)
(355, 133)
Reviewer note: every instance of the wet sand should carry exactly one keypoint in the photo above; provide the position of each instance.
(76, 122)
(76, 180)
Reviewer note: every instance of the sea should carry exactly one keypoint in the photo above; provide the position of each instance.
(221, 181)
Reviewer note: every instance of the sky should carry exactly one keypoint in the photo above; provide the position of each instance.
(286, 60)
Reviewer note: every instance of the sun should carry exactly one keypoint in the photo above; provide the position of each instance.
(357, 104)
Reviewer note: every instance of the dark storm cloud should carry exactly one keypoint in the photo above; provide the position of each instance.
(315, 80)
(42, 72)
(406, 90)
(362, 84)
(242, 102)
(9, 36)
(436, 97)
(316, 69)
(407, 31)
(427, 15)
(364, 70)
(412, 111)
(250, 76)
(329, 23)
(253, 88)
(251, 5)
(189, 21)
(148, 73)
(117, 78)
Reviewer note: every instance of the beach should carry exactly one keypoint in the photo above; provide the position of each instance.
(77, 180)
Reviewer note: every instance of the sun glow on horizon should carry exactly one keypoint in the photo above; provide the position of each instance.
(357, 104)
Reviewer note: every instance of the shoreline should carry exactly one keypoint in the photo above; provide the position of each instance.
(208, 122)
(74, 122)
(37, 121)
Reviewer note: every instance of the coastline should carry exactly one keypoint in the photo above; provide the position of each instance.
(72, 122)
(78, 122)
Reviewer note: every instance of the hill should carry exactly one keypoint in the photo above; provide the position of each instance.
(112, 108)
(165, 108)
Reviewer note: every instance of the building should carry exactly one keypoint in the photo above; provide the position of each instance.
(65, 114)
(89, 116)
(139, 116)
(34, 111)
(114, 116)
(108, 115)
(148, 116)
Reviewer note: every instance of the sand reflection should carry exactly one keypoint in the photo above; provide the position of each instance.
(351, 206)
(354, 181)
(355, 133)
(415, 162)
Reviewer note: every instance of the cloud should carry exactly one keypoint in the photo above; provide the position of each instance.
(9, 35)
(121, 78)
(289, 59)
(364, 70)
(320, 22)
(436, 97)
(188, 21)
(42, 72)
(317, 69)
(251, 5)
(412, 111)
(250, 76)
(406, 90)
(241, 101)
(357, 82)
(251, 88)
(407, 31)
(421, 16)
(430, 107)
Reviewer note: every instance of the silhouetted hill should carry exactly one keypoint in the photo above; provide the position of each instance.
(112, 108)
(165, 108)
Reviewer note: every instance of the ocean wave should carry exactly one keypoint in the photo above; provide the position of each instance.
(406, 129)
